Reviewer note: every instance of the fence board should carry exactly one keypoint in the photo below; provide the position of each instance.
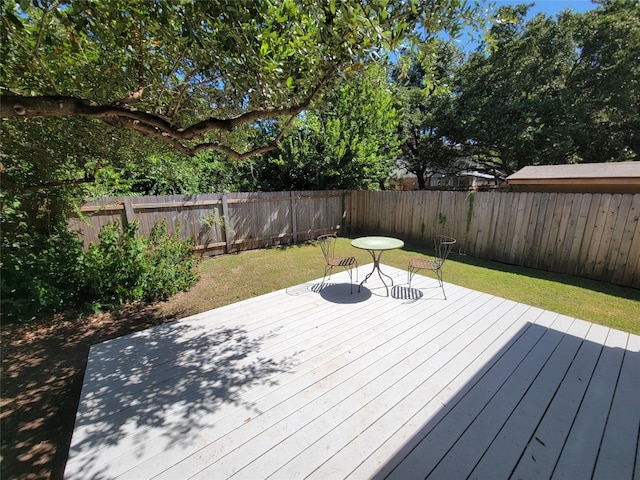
(482, 225)
(631, 274)
(605, 244)
(530, 230)
(625, 252)
(616, 254)
(508, 239)
(553, 230)
(517, 217)
(565, 231)
(538, 232)
(579, 234)
(504, 228)
(598, 215)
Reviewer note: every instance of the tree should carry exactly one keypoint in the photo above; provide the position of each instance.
(510, 106)
(552, 91)
(605, 82)
(347, 141)
(188, 73)
(425, 147)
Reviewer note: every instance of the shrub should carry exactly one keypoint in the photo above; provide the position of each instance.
(125, 267)
(170, 264)
(115, 267)
(48, 273)
(39, 272)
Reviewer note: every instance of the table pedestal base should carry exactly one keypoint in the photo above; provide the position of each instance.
(376, 254)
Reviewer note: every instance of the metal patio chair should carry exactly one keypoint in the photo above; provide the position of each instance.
(328, 245)
(443, 245)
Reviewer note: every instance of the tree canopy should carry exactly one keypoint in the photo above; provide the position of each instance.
(188, 73)
(426, 149)
(552, 91)
(348, 141)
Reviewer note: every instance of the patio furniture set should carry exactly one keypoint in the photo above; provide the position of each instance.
(376, 246)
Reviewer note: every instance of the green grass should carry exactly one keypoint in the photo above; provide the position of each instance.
(231, 278)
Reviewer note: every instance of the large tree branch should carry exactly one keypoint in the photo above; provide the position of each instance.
(122, 116)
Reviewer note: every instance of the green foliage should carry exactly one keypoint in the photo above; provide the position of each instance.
(40, 272)
(183, 63)
(512, 108)
(346, 141)
(552, 91)
(170, 264)
(425, 147)
(170, 173)
(125, 267)
(50, 272)
(115, 267)
(471, 197)
(606, 81)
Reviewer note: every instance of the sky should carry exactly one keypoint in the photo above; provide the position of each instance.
(550, 7)
(547, 7)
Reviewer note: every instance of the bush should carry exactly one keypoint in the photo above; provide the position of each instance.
(125, 267)
(49, 273)
(170, 264)
(39, 272)
(115, 267)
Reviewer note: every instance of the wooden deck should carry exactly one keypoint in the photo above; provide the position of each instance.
(314, 382)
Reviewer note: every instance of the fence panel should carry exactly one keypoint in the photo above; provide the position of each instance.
(591, 235)
(222, 223)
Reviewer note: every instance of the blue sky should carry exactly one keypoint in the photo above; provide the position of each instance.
(551, 7)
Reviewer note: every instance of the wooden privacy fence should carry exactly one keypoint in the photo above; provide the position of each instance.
(589, 235)
(222, 223)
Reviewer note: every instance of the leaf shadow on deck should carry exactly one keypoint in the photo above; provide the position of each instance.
(166, 382)
(548, 404)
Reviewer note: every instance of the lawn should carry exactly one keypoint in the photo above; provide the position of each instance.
(43, 362)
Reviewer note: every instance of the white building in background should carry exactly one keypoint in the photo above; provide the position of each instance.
(465, 180)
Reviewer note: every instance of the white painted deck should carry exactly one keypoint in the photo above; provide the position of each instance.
(315, 382)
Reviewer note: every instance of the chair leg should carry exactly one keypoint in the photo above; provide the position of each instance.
(439, 272)
(327, 269)
(350, 272)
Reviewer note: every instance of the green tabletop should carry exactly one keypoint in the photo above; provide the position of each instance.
(377, 243)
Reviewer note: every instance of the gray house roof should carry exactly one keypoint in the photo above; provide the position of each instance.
(613, 177)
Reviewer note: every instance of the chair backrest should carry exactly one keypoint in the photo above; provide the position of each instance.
(328, 245)
(443, 246)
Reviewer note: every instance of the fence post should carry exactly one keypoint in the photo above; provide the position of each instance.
(294, 220)
(128, 211)
(226, 223)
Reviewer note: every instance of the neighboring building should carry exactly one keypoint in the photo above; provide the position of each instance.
(613, 177)
(469, 180)
(465, 180)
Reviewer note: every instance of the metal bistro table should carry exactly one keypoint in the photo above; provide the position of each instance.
(375, 246)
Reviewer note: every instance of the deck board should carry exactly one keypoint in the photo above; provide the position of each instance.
(313, 381)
